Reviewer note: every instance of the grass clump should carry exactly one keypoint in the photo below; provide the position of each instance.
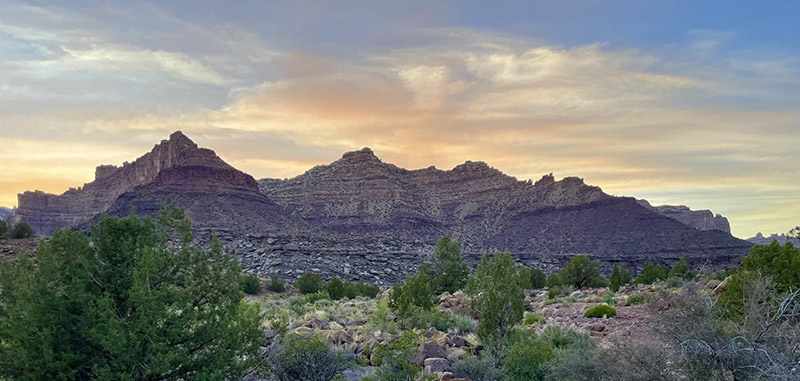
(276, 285)
(637, 298)
(600, 311)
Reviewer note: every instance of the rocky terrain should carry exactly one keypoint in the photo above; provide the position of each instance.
(760, 239)
(361, 218)
(698, 219)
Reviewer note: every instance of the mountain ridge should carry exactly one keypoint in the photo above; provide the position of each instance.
(361, 218)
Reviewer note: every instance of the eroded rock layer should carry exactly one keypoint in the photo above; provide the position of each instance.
(361, 218)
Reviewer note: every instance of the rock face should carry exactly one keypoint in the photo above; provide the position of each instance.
(361, 218)
(5, 213)
(698, 219)
(759, 239)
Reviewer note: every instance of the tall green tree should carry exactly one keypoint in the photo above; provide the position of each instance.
(619, 277)
(140, 302)
(581, 272)
(682, 269)
(498, 296)
(449, 270)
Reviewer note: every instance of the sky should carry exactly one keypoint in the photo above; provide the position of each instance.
(679, 102)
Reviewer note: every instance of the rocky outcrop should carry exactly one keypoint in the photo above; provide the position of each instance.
(362, 219)
(698, 219)
(5, 213)
(760, 239)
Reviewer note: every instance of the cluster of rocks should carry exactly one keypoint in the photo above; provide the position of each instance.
(362, 219)
(698, 219)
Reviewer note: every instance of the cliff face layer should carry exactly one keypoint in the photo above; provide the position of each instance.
(361, 218)
(698, 219)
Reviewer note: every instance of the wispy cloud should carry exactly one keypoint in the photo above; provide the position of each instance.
(690, 124)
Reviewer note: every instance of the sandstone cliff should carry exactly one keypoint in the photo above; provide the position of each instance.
(361, 218)
(698, 219)
(760, 239)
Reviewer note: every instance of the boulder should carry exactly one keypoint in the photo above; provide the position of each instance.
(429, 350)
(436, 365)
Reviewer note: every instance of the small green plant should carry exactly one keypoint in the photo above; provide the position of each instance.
(637, 298)
(600, 311)
(533, 318)
(609, 299)
(276, 285)
(317, 296)
(557, 291)
(250, 284)
(395, 360)
(463, 323)
(21, 230)
(309, 283)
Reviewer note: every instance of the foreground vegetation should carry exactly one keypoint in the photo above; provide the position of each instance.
(141, 301)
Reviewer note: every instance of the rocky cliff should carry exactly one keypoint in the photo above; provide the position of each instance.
(698, 219)
(760, 239)
(5, 212)
(361, 218)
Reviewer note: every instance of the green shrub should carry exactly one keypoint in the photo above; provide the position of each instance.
(682, 270)
(250, 284)
(463, 323)
(581, 272)
(415, 292)
(637, 298)
(533, 318)
(553, 280)
(316, 296)
(276, 285)
(527, 359)
(306, 358)
(781, 263)
(497, 296)
(21, 230)
(609, 299)
(600, 311)
(395, 360)
(381, 317)
(619, 277)
(108, 308)
(557, 291)
(3, 229)
(538, 278)
(335, 288)
(353, 290)
(476, 368)
(652, 273)
(309, 283)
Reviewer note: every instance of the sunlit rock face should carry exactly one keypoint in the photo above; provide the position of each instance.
(361, 218)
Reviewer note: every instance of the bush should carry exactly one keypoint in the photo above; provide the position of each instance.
(276, 285)
(581, 272)
(3, 229)
(335, 288)
(463, 323)
(557, 291)
(305, 358)
(619, 277)
(526, 360)
(309, 283)
(533, 318)
(415, 292)
(781, 263)
(476, 368)
(498, 297)
(682, 270)
(637, 298)
(600, 311)
(21, 230)
(395, 360)
(532, 278)
(250, 284)
(553, 280)
(353, 290)
(317, 296)
(650, 274)
(108, 309)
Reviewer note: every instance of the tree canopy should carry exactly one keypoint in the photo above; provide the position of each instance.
(138, 302)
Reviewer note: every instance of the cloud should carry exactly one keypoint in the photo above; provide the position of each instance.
(707, 130)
